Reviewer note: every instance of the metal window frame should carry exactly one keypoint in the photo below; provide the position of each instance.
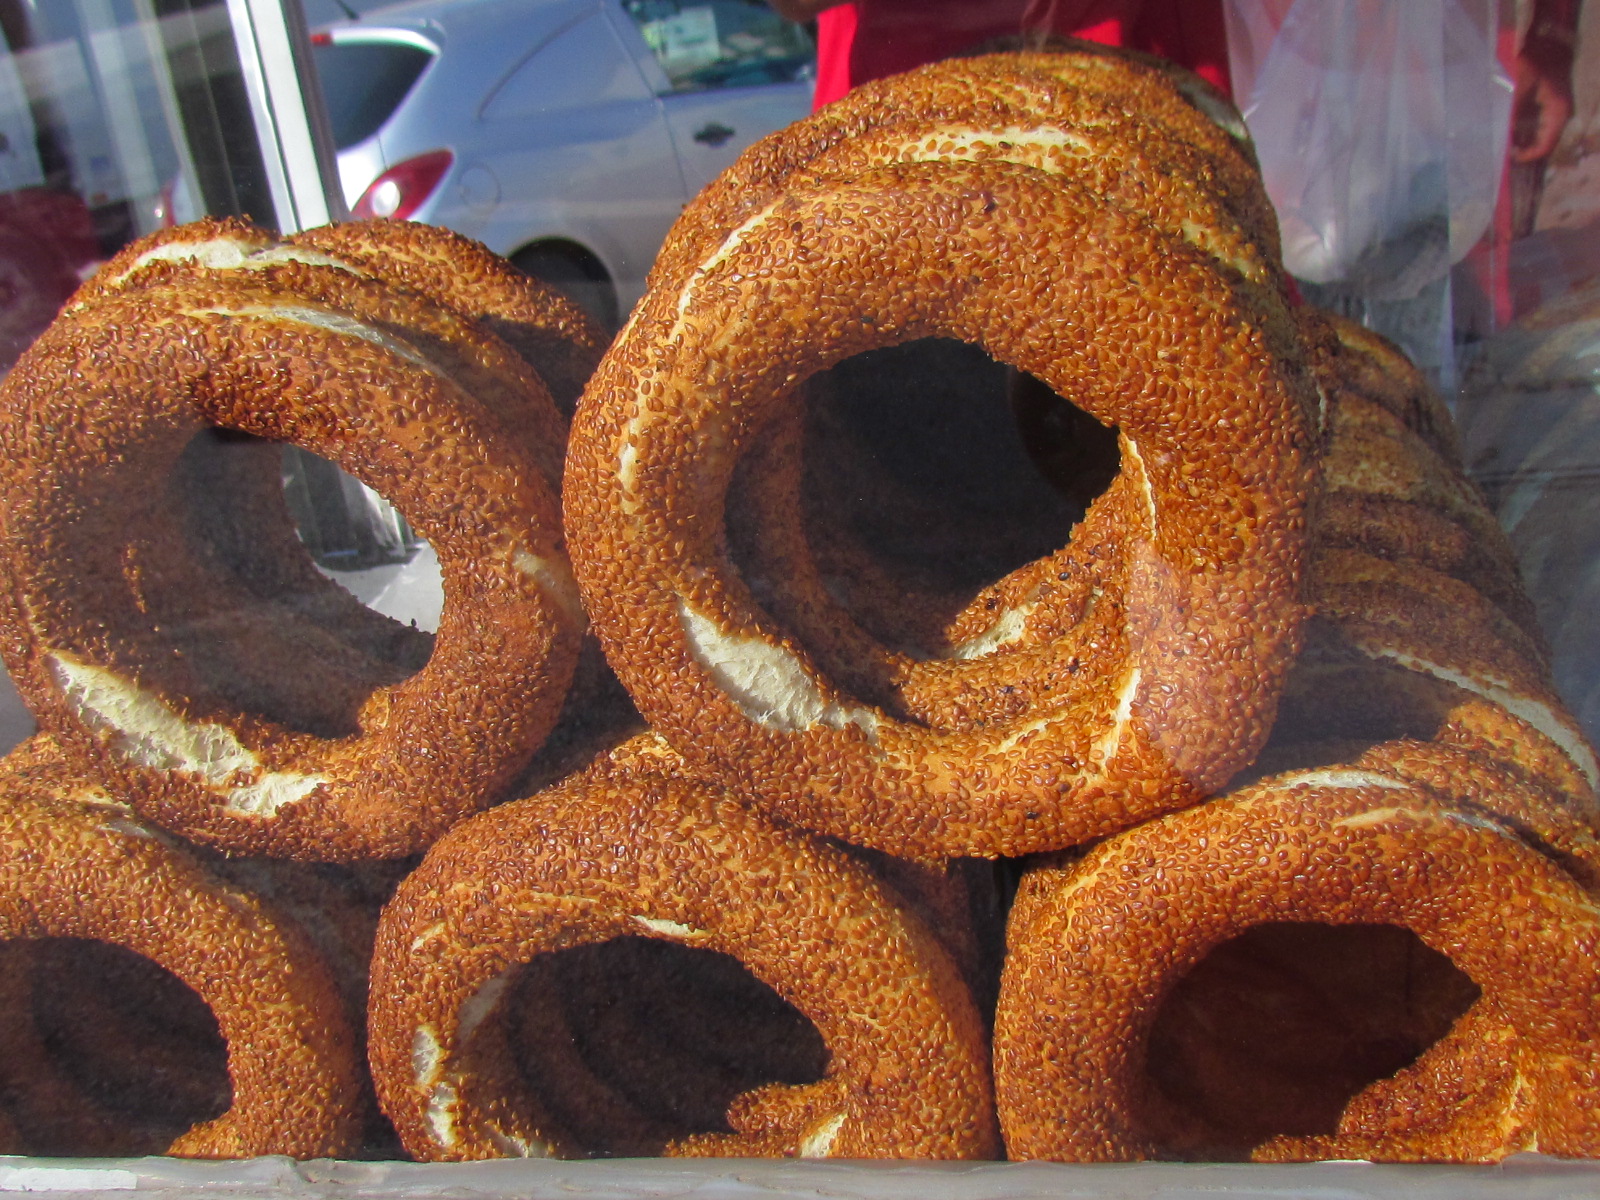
(292, 126)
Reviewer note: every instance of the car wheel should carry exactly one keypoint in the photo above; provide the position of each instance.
(577, 275)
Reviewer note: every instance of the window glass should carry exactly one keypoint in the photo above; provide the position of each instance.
(363, 82)
(116, 117)
(724, 43)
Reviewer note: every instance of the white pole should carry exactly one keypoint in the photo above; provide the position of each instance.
(291, 124)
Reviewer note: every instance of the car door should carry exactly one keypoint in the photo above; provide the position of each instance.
(728, 72)
(579, 153)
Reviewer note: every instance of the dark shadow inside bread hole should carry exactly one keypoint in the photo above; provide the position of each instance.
(931, 471)
(637, 1042)
(1275, 1031)
(114, 1055)
(246, 605)
(923, 454)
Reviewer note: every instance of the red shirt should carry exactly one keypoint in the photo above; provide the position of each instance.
(1189, 32)
(873, 38)
(891, 36)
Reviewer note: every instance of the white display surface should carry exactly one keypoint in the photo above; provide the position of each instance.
(1526, 1177)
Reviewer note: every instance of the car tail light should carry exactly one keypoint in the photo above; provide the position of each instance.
(401, 190)
(166, 205)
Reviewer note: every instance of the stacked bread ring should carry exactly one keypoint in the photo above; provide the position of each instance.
(633, 848)
(186, 649)
(1129, 672)
(198, 677)
(1528, 415)
(1422, 777)
(79, 864)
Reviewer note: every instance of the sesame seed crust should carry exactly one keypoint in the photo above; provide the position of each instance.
(1094, 947)
(1201, 378)
(1392, 483)
(249, 703)
(636, 846)
(557, 339)
(79, 864)
(1124, 128)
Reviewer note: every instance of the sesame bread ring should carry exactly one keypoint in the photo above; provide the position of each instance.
(1374, 685)
(1387, 490)
(1444, 621)
(633, 849)
(555, 337)
(1376, 369)
(1098, 943)
(1018, 108)
(230, 486)
(1401, 651)
(77, 864)
(1210, 500)
(113, 633)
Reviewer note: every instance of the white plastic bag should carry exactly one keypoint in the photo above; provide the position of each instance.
(1381, 126)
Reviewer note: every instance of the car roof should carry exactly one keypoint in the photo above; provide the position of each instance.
(454, 20)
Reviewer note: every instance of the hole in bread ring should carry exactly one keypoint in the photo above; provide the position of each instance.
(634, 849)
(1198, 622)
(115, 618)
(106, 1052)
(1277, 1029)
(639, 1043)
(140, 1045)
(924, 517)
(75, 864)
(1095, 944)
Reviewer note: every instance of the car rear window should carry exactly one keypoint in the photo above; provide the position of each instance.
(364, 82)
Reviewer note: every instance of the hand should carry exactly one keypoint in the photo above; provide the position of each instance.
(1541, 102)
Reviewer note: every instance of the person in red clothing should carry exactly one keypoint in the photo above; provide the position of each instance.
(1190, 33)
(869, 39)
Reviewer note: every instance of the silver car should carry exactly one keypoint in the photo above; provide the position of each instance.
(565, 134)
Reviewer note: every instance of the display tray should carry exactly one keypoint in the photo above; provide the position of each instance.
(1527, 1177)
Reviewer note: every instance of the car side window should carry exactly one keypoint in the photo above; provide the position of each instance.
(703, 44)
(582, 65)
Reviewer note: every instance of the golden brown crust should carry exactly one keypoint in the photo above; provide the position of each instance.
(77, 864)
(638, 851)
(1118, 129)
(1078, 54)
(1398, 651)
(1355, 696)
(1405, 611)
(1376, 369)
(331, 768)
(558, 339)
(1391, 470)
(656, 439)
(1105, 938)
